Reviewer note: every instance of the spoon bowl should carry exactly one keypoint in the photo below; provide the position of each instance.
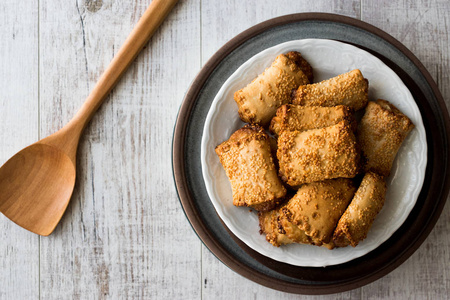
(36, 186)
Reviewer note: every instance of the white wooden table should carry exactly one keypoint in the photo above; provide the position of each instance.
(124, 234)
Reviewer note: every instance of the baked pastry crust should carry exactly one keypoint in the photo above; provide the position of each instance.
(248, 163)
(292, 231)
(316, 208)
(357, 219)
(260, 99)
(268, 224)
(380, 134)
(350, 89)
(302, 118)
(318, 154)
(302, 63)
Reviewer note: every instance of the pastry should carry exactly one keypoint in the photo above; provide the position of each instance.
(247, 159)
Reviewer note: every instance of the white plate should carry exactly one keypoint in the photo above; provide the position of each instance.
(328, 59)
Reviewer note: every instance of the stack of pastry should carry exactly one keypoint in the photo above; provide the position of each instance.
(319, 176)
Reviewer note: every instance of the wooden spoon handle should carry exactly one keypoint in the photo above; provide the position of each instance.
(145, 28)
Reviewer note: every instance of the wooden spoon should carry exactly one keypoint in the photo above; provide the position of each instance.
(36, 184)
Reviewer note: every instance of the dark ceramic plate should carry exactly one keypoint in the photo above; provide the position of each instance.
(200, 211)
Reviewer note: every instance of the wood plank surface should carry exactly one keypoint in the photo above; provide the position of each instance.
(19, 249)
(124, 235)
(222, 20)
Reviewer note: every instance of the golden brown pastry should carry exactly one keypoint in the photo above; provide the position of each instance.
(292, 231)
(357, 219)
(282, 232)
(350, 89)
(317, 207)
(248, 163)
(268, 224)
(302, 63)
(329, 246)
(259, 100)
(317, 154)
(301, 118)
(380, 134)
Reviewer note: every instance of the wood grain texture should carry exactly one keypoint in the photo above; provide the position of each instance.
(37, 183)
(124, 234)
(222, 20)
(19, 249)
